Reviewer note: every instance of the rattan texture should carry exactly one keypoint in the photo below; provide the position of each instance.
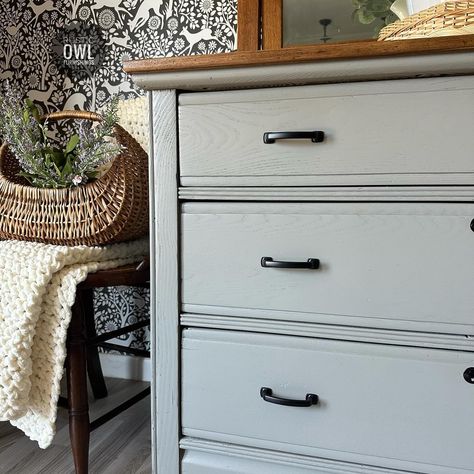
(113, 208)
(446, 19)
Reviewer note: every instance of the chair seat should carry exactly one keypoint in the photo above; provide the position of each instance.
(127, 275)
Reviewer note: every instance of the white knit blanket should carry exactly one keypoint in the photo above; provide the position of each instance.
(37, 290)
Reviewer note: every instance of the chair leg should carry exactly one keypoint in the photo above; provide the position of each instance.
(94, 369)
(79, 429)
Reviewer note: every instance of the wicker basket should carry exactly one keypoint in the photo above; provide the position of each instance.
(113, 208)
(446, 19)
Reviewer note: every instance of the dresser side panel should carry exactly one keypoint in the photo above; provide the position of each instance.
(164, 264)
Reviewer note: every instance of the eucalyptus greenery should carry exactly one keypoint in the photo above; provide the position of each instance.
(43, 161)
(370, 11)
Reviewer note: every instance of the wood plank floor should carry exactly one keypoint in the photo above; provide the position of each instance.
(121, 446)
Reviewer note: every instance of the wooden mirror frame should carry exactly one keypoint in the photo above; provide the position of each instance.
(259, 15)
(272, 24)
(266, 16)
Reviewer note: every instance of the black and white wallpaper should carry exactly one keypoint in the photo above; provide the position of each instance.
(132, 29)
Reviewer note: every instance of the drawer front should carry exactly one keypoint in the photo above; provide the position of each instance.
(399, 266)
(394, 132)
(387, 406)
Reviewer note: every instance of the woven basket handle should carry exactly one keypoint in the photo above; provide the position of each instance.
(72, 114)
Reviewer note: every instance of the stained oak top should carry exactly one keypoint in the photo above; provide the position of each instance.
(302, 54)
(361, 60)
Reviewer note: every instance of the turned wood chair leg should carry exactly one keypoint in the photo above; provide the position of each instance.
(79, 429)
(94, 369)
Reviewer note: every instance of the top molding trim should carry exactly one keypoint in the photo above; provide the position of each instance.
(302, 54)
(155, 74)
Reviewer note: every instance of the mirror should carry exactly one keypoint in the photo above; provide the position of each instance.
(328, 29)
(334, 21)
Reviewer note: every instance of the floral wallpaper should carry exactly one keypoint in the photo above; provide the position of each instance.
(131, 29)
(122, 306)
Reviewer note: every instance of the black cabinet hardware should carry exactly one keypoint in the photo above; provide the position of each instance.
(310, 264)
(469, 375)
(267, 394)
(472, 225)
(315, 136)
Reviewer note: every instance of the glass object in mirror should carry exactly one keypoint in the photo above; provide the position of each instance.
(334, 21)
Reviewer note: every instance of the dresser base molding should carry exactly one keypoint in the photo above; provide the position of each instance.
(207, 457)
(328, 331)
(328, 193)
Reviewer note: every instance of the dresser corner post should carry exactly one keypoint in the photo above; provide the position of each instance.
(164, 281)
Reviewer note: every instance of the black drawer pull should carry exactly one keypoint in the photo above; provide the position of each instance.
(316, 136)
(310, 264)
(469, 375)
(267, 394)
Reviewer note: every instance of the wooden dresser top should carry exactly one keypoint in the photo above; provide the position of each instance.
(369, 60)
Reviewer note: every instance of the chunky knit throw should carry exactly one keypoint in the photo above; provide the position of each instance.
(37, 290)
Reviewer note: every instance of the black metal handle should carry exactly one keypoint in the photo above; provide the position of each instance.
(315, 136)
(469, 375)
(267, 394)
(310, 264)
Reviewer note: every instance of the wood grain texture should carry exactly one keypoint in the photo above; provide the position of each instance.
(394, 136)
(208, 457)
(122, 446)
(301, 54)
(368, 393)
(379, 262)
(272, 24)
(248, 28)
(164, 283)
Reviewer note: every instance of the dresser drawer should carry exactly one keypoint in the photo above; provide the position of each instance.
(384, 405)
(399, 266)
(393, 132)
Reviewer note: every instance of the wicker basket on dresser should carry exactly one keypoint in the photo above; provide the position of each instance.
(313, 298)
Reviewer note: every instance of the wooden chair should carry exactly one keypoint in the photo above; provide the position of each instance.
(83, 357)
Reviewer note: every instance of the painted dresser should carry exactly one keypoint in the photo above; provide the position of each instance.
(313, 290)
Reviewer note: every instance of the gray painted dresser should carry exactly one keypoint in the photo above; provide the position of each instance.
(313, 295)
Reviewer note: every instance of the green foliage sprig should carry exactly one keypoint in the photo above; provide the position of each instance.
(369, 11)
(43, 162)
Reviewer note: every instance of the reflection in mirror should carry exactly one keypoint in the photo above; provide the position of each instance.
(332, 21)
